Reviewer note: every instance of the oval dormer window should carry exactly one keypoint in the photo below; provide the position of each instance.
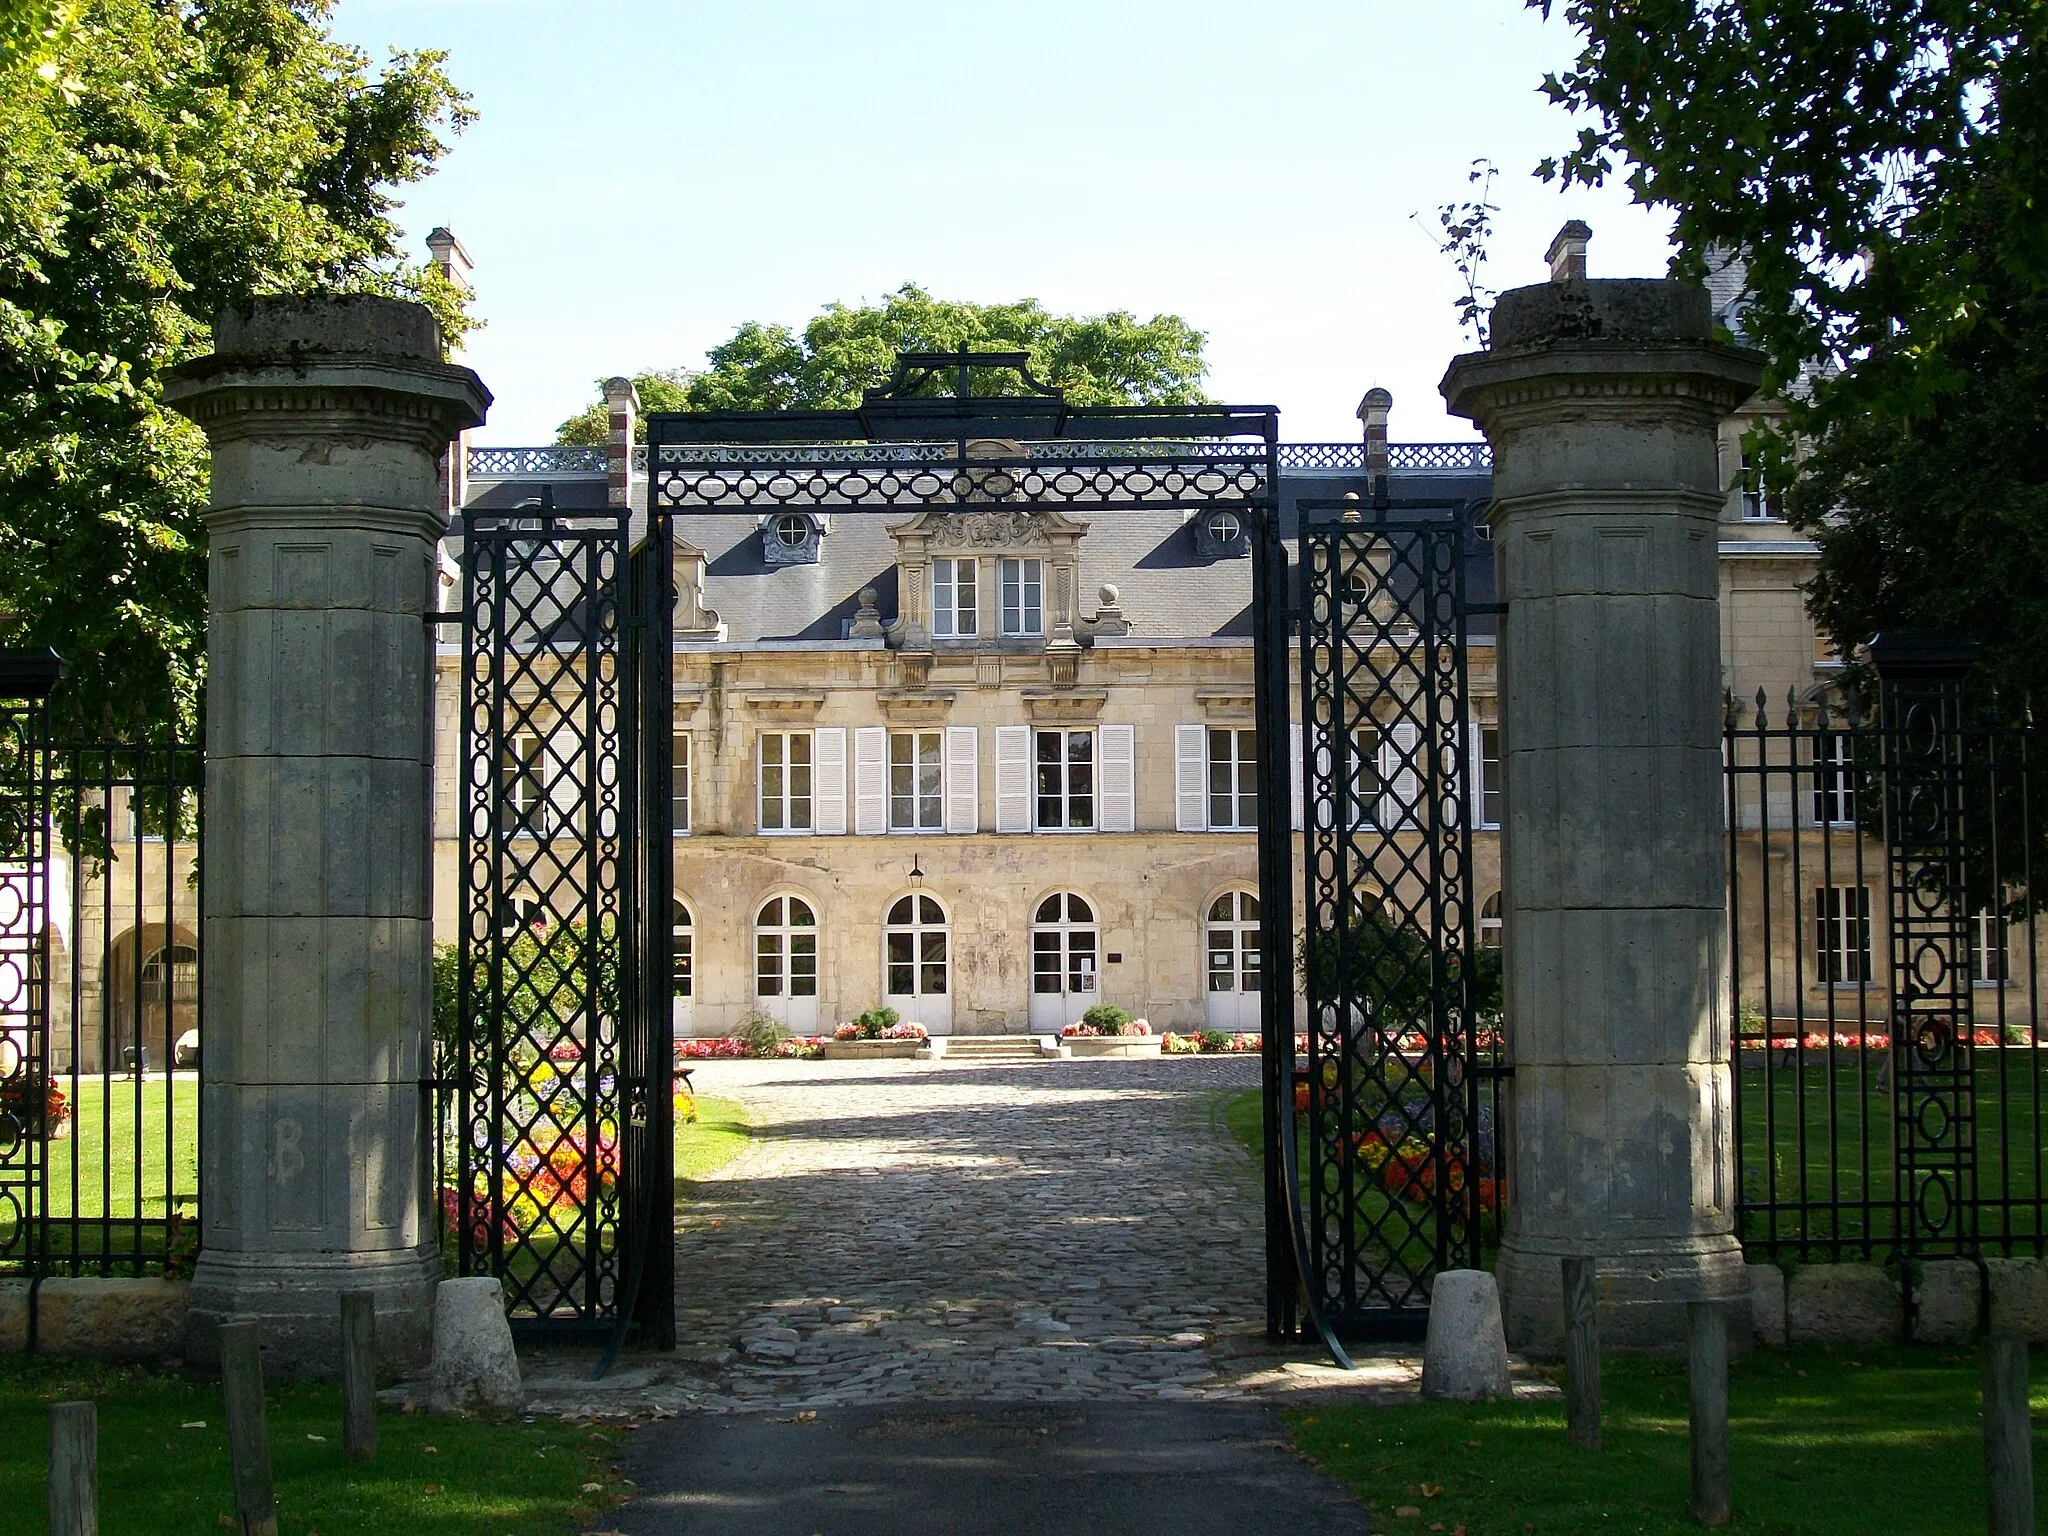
(792, 530)
(1224, 527)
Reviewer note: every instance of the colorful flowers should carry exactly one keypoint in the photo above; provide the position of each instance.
(732, 1048)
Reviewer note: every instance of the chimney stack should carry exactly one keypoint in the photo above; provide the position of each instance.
(622, 403)
(1372, 410)
(1568, 253)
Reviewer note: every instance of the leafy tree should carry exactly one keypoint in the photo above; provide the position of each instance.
(1108, 359)
(164, 159)
(1879, 168)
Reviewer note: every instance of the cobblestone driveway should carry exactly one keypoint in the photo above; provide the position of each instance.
(1072, 1229)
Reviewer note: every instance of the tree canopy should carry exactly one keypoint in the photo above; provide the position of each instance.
(164, 160)
(1880, 168)
(1107, 359)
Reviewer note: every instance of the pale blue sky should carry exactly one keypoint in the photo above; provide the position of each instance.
(647, 174)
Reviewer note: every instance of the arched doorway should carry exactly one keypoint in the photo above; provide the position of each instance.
(1231, 943)
(786, 963)
(682, 969)
(152, 997)
(1065, 944)
(917, 962)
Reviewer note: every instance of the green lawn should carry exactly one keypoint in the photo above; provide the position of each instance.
(1802, 1144)
(122, 1144)
(164, 1465)
(703, 1146)
(1822, 1443)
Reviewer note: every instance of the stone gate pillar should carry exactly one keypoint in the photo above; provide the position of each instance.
(327, 418)
(1601, 401)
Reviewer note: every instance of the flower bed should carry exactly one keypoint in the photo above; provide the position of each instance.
(858, 1031)
(1209, 1042)
(732, 1048)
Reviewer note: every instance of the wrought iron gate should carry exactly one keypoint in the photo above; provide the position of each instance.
(1394, 1099)
(1885, 958)
(559, 1062)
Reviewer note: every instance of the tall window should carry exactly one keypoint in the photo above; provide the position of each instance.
(915, 941)
(679, 784)
(170, 975)
(1489, 921)
(1023, 583)
(1756, 493)
(1834, 781)
(1367, 786)
(1489, 776)
(1066, 780)
(1990, 957)
(955, 612)
(1233, 779)
(785, 781)
(785, 948)
(523, 806)
(682, 952)
(916, 782)
(1233, 942)
(1841, 916)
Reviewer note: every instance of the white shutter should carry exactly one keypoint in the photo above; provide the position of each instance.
(828, 781)
(1297, 808)
(963, 779)
(1117, 747)
(870, 780)
(562, 767)
(1190, 778)
(1013, 778)
(1403, 785)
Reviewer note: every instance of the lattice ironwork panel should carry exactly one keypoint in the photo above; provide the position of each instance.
(548, 985)
(1399, 1165)
(24, 960)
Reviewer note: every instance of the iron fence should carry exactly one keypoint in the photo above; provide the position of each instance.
(100, 1103)
(1890, 1084)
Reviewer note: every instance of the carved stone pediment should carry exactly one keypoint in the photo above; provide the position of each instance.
(786, 706)
(1066, 704)
(986, 530)
(915, 707)
(1231, 703)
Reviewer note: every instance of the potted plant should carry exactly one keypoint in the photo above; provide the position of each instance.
(880, 1032)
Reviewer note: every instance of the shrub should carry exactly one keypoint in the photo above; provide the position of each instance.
(1106, 1019)
(876, 1021)
(1214, 1040)
(761, 1033)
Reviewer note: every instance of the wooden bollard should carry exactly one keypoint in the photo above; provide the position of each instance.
(74, 1470)
(2008, 1438)
(241, 1389)
(358, 1375)
(1581, 1355)
(1708, 1373)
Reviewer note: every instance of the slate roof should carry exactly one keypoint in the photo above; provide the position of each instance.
(1168, 589)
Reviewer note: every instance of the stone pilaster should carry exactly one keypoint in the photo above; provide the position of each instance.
(328, 418)
(1601, 401)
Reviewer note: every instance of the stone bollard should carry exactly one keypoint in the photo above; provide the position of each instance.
(1465, 1355)
(328, 417)
(1601, 401)
(474, 1363)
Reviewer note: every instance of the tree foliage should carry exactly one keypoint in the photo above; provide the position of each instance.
(1882, 169)
(164, 159)
(1107, 359)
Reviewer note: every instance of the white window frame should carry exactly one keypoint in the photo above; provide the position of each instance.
(1240, 772)
(1243, 944)
(1990, 949)
(1842, 949)
(953, 580)
(918, 931)
(926, 807)
(780, 936)
(1755, 491)
(1492, 928)
(786, 801)
(682, 932)
(1022, 588)
(679, 786)
(1066, 794)
(1486, 775)
(1833, 791)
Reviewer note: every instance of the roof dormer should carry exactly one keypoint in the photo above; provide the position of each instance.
(793, 538)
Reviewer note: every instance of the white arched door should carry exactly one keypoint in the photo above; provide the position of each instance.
(682, 970)
(1064, 962)
(917, 963)
(786, 963)
(1231, 943)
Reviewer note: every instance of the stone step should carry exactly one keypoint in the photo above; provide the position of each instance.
(986, 1047)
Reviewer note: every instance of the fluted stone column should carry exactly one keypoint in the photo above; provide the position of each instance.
(327, 417)
(1601, 401)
